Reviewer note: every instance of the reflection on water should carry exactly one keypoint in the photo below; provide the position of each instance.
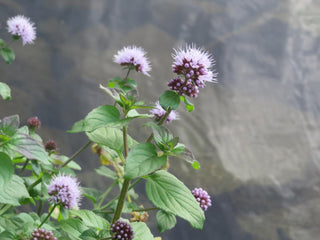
(256, 133)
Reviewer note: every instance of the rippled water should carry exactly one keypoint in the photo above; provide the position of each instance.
(256, 133)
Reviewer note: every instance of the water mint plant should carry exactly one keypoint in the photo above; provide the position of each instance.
(40, 195)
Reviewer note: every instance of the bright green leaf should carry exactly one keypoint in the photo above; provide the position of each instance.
(90, 219)
(5, 91)
(165, 220)
(89, 234)
(6, 170)
(141, 160)
(141, 231)
(169, 99)
(6, 235)
(7, 54)
(161, 136)
(189, 105)
(170, 194)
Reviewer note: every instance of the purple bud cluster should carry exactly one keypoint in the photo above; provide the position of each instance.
(183, 88)
(42, 234)
(202, 198)
(50, 146)
(33, 123)
(122, 231)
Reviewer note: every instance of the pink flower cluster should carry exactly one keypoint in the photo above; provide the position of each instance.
(194, 67)
(22, 26)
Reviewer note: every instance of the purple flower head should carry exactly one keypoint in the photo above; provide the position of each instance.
(42, 234)
(22, 26)
(159, 112)
(194, 67)
(34, 123)
(133, 57)
(64, 190)
(122, 231)
(202, 198)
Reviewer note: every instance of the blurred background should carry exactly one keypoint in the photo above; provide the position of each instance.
(255, 133)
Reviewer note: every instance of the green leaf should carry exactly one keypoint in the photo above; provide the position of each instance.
(74, 227)
(90, 219)
(98, 117)
(14, 191)
(106, 172)
(1, 42)
(110, 137)
(161, 136)
(7, 54)
(141, 160)
(91, 193)
(27, 146)
(6, 170)
(189, 105)
(170, 194)
(141, 231)
(9, 125)
(186, 154)
(169, 99)
(6, 235)
(89, 234)
(111, 92)
(5, 91)
(165, 220)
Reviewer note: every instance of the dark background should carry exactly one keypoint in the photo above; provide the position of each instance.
(255, 133)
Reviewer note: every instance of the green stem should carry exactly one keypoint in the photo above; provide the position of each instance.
(75, 154)
(129, 69)
(122, 197)
(117, 197)
(125, 141)
(145, 209)
(162, 120)
(24, 167)
(106, 194)
(44, 220)
(40, 208)
(34, 184)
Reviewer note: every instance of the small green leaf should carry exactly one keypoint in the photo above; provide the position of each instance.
(6, 170)
(74, 227)
(90, 219)
(195, 165)
(141, 231)
(7, 54)
(110, 137)
(143, 159)
(170, 194)
(5, 91)
(165, 220)
(106, 172)
(189, 105)
(169, 99)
